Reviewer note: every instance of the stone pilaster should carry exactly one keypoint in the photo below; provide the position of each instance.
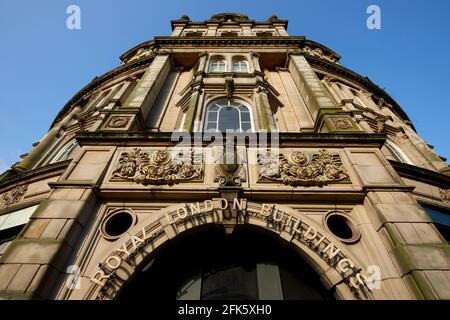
(33, 263)
(318, 100)
(263, 108)
(196, 93)
(137, 106)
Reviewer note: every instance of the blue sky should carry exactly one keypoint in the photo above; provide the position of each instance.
(43, 64)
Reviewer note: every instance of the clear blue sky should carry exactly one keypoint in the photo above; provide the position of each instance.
(43, 64)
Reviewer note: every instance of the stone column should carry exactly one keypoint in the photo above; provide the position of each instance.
(418, 255)
(138, 104)
(192, 113)
(328, 117)
(255, 61)
(263, 109)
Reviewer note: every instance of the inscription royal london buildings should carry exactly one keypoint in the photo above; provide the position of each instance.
(228, 211)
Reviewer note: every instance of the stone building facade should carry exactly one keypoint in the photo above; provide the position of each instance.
(227, 160)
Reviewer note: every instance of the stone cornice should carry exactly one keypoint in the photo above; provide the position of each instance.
(420, 174)
(230, 41)
(370, 86)
(25, 177)
(285, 139)
(285, 42)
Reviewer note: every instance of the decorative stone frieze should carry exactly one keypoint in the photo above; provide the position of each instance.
(13, 196)
(157, 167)
(302, 168)
(341, 122)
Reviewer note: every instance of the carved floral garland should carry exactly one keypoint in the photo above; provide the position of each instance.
(13, 196)
(302, 169)
(156, 169)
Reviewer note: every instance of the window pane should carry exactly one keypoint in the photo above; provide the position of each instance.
(211, 126)
(212, 116)
(441, 219)
(246, 126)
(240, 66)
(228, 119)
(213, 67)
(245, 116)
(217, 66)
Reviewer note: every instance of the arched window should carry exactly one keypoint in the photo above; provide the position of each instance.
(64, 153)
(240, 65)
(226, 115)
(217, 65)
(397, 153)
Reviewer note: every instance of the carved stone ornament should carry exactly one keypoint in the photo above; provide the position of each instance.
(318, 52)
(229, 87)
(157, 167)
(228, 171)
(444, 194)
(141, 53)
(118, 122)
(302, 169)
(341, 123)
(13, 196)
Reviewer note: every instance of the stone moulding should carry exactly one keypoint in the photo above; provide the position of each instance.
(302, 168)
(158, 167)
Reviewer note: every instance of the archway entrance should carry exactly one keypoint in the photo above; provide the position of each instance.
(209, 265)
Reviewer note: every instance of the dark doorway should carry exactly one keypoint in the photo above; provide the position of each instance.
(211, 265)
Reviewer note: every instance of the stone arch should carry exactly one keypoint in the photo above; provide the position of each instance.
(292, 228)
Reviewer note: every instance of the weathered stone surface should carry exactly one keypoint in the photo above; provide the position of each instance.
(36, 251)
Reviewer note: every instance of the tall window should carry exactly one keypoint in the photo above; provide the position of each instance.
(240, 65)
(397, 153)
(64, 153)
(226, 115)
(217, 65)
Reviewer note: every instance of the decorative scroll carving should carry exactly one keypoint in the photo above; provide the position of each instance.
(157, 168)
(13, 196)
(86, 118)
(341, 123)
(318, 52)
(233, 178)
(118, 122)
(229, 87)
(302, 169)
(228, 172)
